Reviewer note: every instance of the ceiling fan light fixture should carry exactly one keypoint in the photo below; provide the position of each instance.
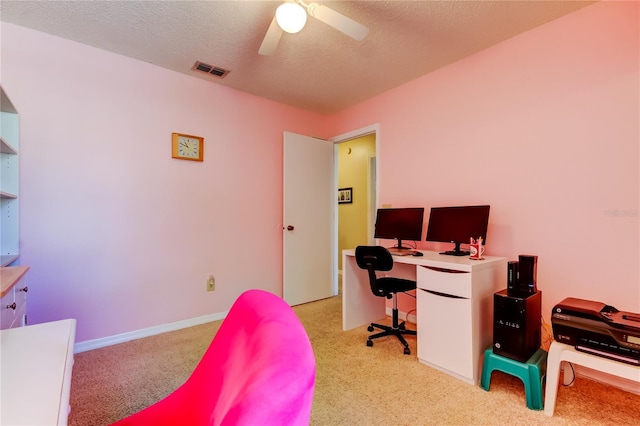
(291, 17)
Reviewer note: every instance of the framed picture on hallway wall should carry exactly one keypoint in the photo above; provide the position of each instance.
(344, 195)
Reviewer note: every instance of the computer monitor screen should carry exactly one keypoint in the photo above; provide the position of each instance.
(400, 224)
(457, 225)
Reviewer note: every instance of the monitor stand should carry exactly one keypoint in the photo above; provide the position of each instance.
(456, 251)
(400, 250)
(404, 251)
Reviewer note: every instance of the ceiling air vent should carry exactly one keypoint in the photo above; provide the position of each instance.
(210, 69)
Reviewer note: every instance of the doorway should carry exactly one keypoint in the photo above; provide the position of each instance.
(356, 171)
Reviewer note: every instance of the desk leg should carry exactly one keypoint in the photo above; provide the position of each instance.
(554, 361)
(359, 305)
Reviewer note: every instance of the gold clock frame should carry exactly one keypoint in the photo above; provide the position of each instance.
(174, 146)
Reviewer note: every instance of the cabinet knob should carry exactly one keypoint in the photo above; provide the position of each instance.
(12, 306)
(25, 289)
(290, 228)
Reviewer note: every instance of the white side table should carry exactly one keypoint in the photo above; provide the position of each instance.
(559, 352)
(36, 368)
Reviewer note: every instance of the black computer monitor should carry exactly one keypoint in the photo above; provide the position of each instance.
(457, 225)
(400, 224)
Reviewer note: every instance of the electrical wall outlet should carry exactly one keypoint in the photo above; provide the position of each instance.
(211, 283)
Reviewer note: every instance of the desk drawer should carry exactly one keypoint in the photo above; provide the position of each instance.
(447, 281)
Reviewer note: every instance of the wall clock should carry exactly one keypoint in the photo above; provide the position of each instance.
(187, 147)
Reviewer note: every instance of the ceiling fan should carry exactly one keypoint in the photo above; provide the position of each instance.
(291, 16)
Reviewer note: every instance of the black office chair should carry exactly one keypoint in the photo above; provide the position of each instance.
(376, 258)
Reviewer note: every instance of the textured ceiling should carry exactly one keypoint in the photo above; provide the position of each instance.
(319, 69)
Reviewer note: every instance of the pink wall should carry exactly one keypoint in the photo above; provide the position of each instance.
(118, 234)
(545, 128)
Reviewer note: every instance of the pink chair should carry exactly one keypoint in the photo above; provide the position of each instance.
(258, 370)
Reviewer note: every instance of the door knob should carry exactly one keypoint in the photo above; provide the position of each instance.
(289, 228)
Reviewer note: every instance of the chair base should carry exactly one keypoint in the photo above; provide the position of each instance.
(391, 331)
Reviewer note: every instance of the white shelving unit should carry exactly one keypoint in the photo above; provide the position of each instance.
(9, 142)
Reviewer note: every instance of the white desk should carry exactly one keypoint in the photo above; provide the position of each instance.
(454, 306)
(559, 353)
(36, 373)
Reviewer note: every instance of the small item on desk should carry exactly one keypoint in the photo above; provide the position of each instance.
(417, 253)
(476, 249)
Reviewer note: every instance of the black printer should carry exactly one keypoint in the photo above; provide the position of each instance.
(598, 329)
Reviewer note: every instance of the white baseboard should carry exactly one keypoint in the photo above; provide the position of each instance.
(146, 332)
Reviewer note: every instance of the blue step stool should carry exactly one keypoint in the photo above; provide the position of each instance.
(530, 372)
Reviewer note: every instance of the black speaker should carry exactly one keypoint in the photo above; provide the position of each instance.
(516, 325)
(528, 273)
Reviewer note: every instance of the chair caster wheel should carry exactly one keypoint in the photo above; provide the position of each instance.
(369, 343)
(407, 351)
(370, 328)
(402, 326)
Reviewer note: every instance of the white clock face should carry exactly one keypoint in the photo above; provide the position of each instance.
(188, 147)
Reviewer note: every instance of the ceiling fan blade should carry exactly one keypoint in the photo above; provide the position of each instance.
(271, 39)
(338, 21)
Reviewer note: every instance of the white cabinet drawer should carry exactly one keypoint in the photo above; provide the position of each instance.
(449, 347)
(7, 314)
(447, 281)
(21, 303)
(13, 304)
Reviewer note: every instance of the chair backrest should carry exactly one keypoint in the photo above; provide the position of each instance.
(259, 369)
(374, 258)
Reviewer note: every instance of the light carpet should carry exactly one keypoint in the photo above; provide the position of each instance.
(355, 384)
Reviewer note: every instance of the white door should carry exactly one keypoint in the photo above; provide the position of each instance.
(308, 224)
